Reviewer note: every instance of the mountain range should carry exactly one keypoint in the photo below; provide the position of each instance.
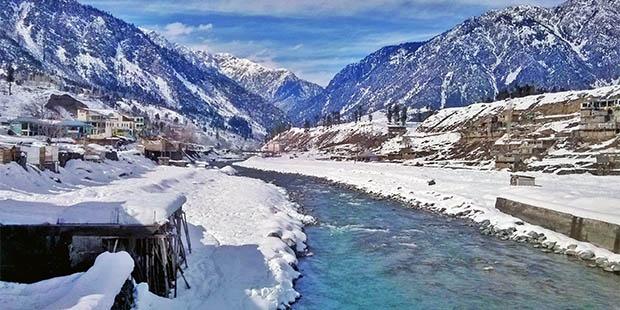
(575, 45)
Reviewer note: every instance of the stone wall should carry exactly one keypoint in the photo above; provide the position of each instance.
(602, 234)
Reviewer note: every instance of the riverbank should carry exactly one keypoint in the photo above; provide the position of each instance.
(472, 195)
(245, 233)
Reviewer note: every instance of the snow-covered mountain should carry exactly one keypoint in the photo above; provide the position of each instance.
(92, 49)
(575, 45)
(278, 86)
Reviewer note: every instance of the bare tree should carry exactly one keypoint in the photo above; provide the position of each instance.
(51, 130)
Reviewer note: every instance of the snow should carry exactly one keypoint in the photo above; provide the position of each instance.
(61, 53)
(93, 289)
(471, 190)
(238, 260)
(228, 170)
(165, 90)
(328, 136)
(32, 197)
(512, 76)
(450, 118)
(244, 232)
(29, 99)
(25, 32)
(89, 65)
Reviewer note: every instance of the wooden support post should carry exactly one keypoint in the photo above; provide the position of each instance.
(183, 276)
(164, 263)
(189, 243)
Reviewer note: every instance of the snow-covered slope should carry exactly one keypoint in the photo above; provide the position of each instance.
(475, 135)
(573, 46)
(279, 87)
(94, 50)
(347, 137)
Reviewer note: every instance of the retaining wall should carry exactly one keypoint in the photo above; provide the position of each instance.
(602, 234)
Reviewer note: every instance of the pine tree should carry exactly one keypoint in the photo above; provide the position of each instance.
(389, 114)
(403, 117)
(10, 77)
(396, 113)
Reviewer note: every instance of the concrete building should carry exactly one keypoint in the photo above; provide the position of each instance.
(274, 147)
(30, 127)
(600, 120)
(396, 131)
(109, 123)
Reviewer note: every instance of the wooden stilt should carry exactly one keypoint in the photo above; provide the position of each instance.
(164, 264)
(183, 276)
(189, 243)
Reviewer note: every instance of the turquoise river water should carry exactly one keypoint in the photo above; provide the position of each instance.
(371, 254)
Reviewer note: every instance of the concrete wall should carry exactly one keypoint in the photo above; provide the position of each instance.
(602, 234)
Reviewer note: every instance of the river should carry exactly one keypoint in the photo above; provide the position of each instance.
(372, 254)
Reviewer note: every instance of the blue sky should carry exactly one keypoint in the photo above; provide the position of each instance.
(313, 38)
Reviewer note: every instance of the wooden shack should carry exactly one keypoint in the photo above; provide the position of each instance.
(31, 253)
(8, 153)
(156, 148)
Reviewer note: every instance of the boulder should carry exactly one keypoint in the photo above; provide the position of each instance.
(587, 255)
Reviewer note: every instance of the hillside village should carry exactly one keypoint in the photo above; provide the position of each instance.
(565, 132)
(45, 123)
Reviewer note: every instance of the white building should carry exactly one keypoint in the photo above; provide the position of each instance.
(109, 123)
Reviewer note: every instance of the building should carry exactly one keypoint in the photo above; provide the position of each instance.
(513, 162)
(274, 147)
(35, 249)
(109, 123)
(396, 131)
(607, 162)
(600, 120)
(162, 150)
(31, 127)
(8, 153)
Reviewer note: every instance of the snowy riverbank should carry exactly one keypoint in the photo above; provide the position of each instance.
(472, 194)
(245, 233)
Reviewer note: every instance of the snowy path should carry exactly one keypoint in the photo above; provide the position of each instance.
(469, 190)
(238, 260)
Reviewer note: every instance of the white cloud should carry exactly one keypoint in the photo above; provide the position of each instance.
(175, 30)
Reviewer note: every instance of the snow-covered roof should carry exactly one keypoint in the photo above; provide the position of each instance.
(130, 210)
